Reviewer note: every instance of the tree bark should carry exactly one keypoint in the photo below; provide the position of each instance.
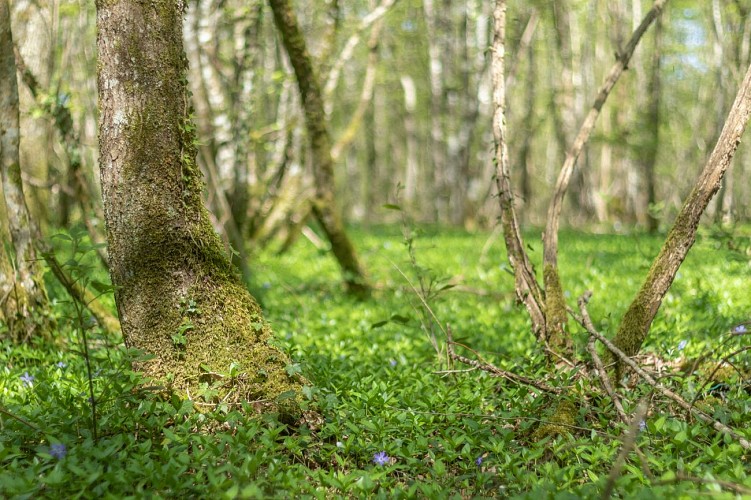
(324, 206)
(640, 314)
(30, 295)
(527, 289)
(178, 296)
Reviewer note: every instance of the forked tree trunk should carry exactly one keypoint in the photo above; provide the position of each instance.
(178, 296)
(29, 293)
(638, 318)
(324, 206)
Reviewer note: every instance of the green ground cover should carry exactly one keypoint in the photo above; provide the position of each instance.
(393, 425)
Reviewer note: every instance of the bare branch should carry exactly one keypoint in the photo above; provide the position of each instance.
(495, 371)
(629, 442)
(554, 210)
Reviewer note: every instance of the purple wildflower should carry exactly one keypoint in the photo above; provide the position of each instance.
(392, 363)
(479, 460)
(58, 451)
(381, 458)
(27, 379)
(642, 426)
(61, 365)
(682, 344)
(740, 329)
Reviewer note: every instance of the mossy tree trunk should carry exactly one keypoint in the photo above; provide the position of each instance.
(642, 311)
(324, 206)
(178, 296)
(29, 293)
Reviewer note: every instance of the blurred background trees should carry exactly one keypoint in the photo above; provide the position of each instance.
(407, 102)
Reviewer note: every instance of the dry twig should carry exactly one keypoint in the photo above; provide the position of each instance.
(629, 442)
(586, 322)
(495, 371)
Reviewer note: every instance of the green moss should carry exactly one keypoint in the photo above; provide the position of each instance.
(164, 251)
(636, 322)
(559, 423)
(556, 316)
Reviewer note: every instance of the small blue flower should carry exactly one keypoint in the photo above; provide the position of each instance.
(392, 363)
(61, 365)
(381, 458)
(740, 329)
(27, 379)
(479, 460)
(682, 344)
(58, 451)
(266, 285)
(642, 426)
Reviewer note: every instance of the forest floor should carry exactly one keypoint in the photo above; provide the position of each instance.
(398, 421)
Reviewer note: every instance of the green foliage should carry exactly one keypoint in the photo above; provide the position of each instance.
(377, 390)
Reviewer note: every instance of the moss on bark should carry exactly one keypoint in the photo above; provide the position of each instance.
(556, 316)
(178, 295)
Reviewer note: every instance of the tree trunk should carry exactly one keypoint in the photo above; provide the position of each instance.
(638, 318)
(29, 292)
(324, 206)
(652, 141)
(527, 289)
(178, 296)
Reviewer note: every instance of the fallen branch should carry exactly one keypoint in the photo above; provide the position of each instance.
(586, 322)
(494, 370)
(679, 476)
(605, 380)
(629, 443)
(106, 320)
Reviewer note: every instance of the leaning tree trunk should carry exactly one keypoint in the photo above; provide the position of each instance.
(178, 296)
(638, 318)
(324, 205)
(29, 293)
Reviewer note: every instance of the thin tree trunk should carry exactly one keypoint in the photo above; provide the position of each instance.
(60, 113)
(437, 110)
(527, 289)
(324, 206)
(178, 296)
(555, 305)
(640, 314)
(652, 145)
(30, 295)
(410, 131)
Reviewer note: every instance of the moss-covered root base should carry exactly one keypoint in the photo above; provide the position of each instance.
(630, 336)
(556, 316)
(559, 423)
(214, 347)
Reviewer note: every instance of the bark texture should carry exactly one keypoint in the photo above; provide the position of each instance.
(178, 296)
(324, 206)
(527, 289)
(29, 293)
(642, 311)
